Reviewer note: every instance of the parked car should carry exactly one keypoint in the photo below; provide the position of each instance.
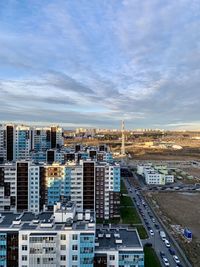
(157, 226)
(167, 244)
(162, 254)
(151, 232)
(176, 259)
(165, 261)
(148, 245)
(171, 251)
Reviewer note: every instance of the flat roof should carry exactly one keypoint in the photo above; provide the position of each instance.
(43, 222)
(129, 237)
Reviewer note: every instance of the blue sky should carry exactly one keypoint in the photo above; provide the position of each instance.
(93, 63)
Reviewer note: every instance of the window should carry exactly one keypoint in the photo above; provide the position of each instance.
(24, 247)
(63, 258)
(24, 258)
(62, 237)
(63, 247)
(112, 257)
(24, 237)
(74, 247)
(74, 257)
(74, 237)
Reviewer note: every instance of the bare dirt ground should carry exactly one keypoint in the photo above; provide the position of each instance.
(193, 171)
(181, 209)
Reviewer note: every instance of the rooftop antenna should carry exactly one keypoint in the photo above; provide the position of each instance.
(123, 140)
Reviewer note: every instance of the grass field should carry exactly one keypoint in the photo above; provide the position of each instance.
(123, 188)
(142, 231)
(126, 201)
(150, 258)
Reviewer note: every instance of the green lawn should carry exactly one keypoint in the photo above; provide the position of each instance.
(126, 201)
(128, 212)
(123, 188)
(129, 215)
(150, 258)
(142, 231)
(112, 221)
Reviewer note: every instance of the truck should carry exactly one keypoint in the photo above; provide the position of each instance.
(162, 235)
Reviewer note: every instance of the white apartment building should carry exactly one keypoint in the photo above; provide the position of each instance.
(157, 175)
(63, 238)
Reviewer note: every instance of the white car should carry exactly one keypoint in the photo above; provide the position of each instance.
(165, 261)
(176, 259)
(151, 232)
(167, 244)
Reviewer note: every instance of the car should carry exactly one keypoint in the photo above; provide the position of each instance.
(148, 227)
(171, 251)
(179, 265)
(167, 244)
(162, 254)
(153, 220)
(148, 245)
(165, 261)
(176, 259)
(157, 226)
(151, 232)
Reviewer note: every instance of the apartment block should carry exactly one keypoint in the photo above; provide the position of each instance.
(63, 237)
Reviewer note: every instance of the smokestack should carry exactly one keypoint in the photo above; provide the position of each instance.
(123, 140)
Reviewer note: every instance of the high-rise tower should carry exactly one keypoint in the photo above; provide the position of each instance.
(123, 140)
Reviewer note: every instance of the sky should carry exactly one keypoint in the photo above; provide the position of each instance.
(93, 63)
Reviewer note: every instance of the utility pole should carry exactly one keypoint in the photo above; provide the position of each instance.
(123, 140)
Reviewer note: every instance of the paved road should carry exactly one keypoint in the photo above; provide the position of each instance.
(156, 240)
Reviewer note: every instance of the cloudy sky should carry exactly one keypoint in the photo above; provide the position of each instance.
(93, 63)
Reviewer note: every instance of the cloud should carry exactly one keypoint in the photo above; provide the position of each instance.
(97, 62)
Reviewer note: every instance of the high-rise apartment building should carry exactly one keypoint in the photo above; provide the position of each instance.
(56, 137)
(41, 139)
(22, 142)
(32, 187)
(2, 143)
(8, 187)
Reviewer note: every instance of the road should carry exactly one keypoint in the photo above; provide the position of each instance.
(150, 221)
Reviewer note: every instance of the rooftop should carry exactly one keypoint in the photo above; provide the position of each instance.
(117, 239)
(45, 221)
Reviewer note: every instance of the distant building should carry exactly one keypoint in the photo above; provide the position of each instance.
(155, 175)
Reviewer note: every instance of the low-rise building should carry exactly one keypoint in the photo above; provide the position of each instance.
(118, 248)
(155, 174)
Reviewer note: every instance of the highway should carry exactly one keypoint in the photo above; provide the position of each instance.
(149, 222)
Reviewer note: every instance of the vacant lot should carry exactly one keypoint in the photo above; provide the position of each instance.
(182, 209)
(193, 171)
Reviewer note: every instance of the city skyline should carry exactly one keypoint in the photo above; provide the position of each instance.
(94, 63)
